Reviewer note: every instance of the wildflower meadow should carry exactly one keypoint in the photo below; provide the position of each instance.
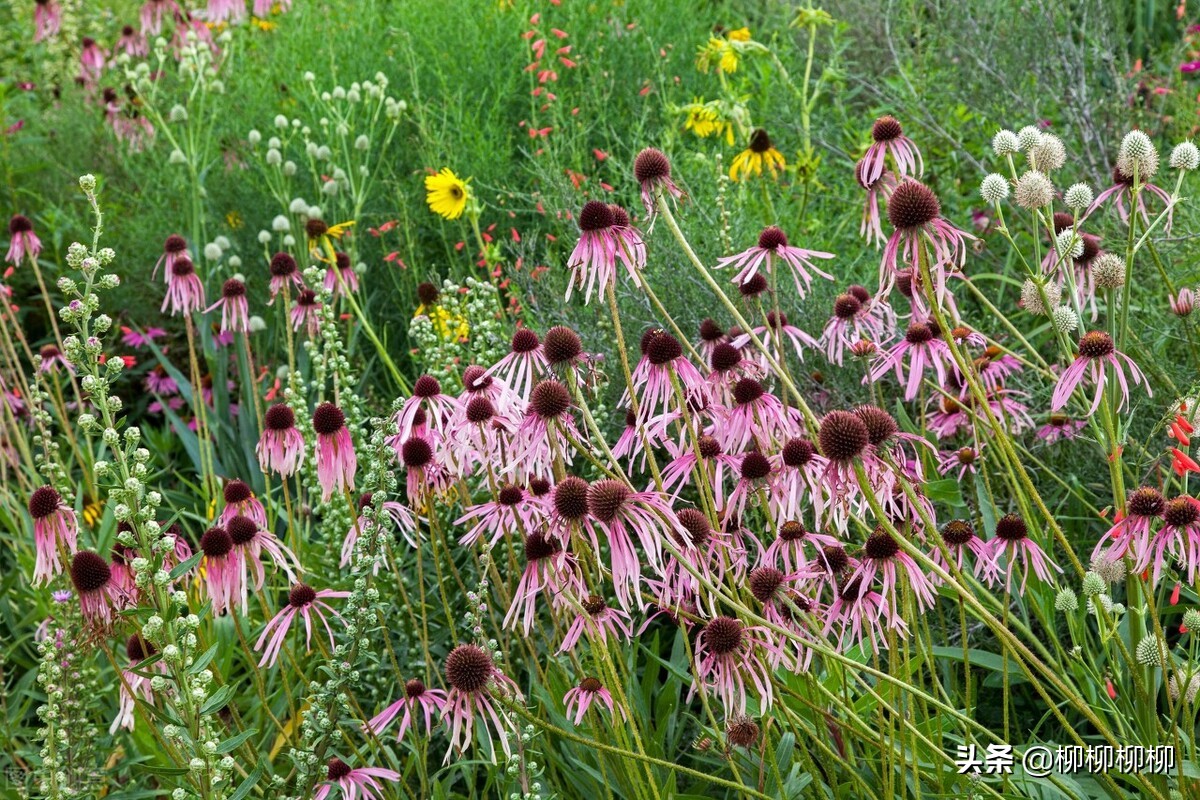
(632, 399)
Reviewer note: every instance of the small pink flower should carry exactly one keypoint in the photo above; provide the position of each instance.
(47, 19)
(599, 621)
(417, 699)
(152, 14)
(1130, 534)
(52, 360)
(1012, 540)
(54, 530)
(336, 462)
(360, 782)
(861, 615)
(341, 274)
(91, 60)
(306, 313)
(915, 215)
(281, 447)
(603, 241)
(283, 271)
(889, 138)
(581, 698)
(1096, 352)
(24, 242)
(524, 364)
(222, 573)
(959, 538)
(133, 685)
(871, 227)
(235, 311)
(728, 656)
(772, 247)
(652, 170)
(99, 595)
(133, 42)
(185, 292)
(474, 683)
(306, 602)
(923, 349)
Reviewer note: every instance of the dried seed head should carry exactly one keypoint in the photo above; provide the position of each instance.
(881, 426)
(1048, 154)
(741, 730)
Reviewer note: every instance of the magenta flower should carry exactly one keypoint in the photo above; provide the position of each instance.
(599, 621)
(856, 316)
(306, 313)
(756, 416)
(915, 214)
(336, 462)
(511, 511)
(923, 349)
(133, 685)
(871, 227)
(549, 570)
(231, 11)
(962, 462)
(1130, 535)
(889, 138)
(400, 515)
(800, 470)
(663, 356)
(1122, 188)
(1179, 535)
(283, 271)
(249, 543)
(185, 292)
(133, 42)
(602, 243)
(24, 242)
(581, 698)
(152, 14)
(240, 500)
(341, 273)
(1096, 352)
(728, 655)
(427, 397)
(222, 570)
(281, 447)
(652, 170)
(756, 476)
(52, 360)
(99, 595)
(773, 245)
(713, 462)
(778, 325)
(427, 476)
(534, 446)
(47, 19)
(622, 511)
(54, 530)
(135, 338)
(861, 616)
(882, 556)
(235, 311)
(959, 538)
(524, 364)
(788, 549)
(306, 602)
(91, 60)
(417, 699)
(1012, 540)
(474, 681)
(360, 782)
(1060, 426)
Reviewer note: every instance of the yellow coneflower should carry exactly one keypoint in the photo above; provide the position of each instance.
(234, 220)
(760, 153)
(446, 194)
(320, 235)
(740, 35)
(92, 511)
(719, 53)
(705, 120)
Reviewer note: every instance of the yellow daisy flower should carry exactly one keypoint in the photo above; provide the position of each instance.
(446, 194)
(451, 327)
(704, 120)
(740, 35)
(760, 153)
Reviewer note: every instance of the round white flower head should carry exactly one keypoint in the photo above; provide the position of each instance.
(1068, 244)
(1031, 297)
(1048, 154)
(1028, 138)
(1138, 152)
(1185, 156)
(1034, 190)
(1078, 197)
(1004, 143)
(1109, 271)
(994, 189)
(1065, 320)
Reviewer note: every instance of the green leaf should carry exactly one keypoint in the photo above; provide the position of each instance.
(203, 661)
(244, 789)
(234, 742)
(187, 566)
(982, 659)
(218, 699)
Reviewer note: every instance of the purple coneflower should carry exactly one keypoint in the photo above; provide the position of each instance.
(889, 138)
(98, 594)
(550, 570)
(778, 325)
(240, 499)
(249, 543)
(91, 60)
(856, 317)
(222, 573)
(861, 616)
(533, 454)
(54, 527)
(1060, 426)
(727, 656)
(924, 350)
(1096, 351)
(426, 477)
(652, 170)
(959, 537)
(53, 360)
(524, 363)
(1179, 535)
(881, 555)
(281, 447)
(174, 248)
(307, 602)
(620, 510)
(871, 227)
(283, 271)
(599, 620)
(134, 685)
(510, 511)
(915, 214)
(787, 551)
(772, 245)
(359, 782)
(336, 462)
(232, 11)
(1012, 540)
(306, 313)
(401, 516)
(340, 273)
(132, 42)
(427, 396)
(581, 698)
(652, 384)
(47, 19)
(1122, 188)
(235, 311)
(756, 416)
(417, 699)
(24, 241)
(1130, 534)
(473, 679)
(602, 243)
(962, 462)
(185, 292)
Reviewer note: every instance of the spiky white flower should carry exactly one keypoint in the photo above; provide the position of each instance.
(994, 189)
(1034, 190)
(1078, 197)
(1185, 156)
(1004, 143)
